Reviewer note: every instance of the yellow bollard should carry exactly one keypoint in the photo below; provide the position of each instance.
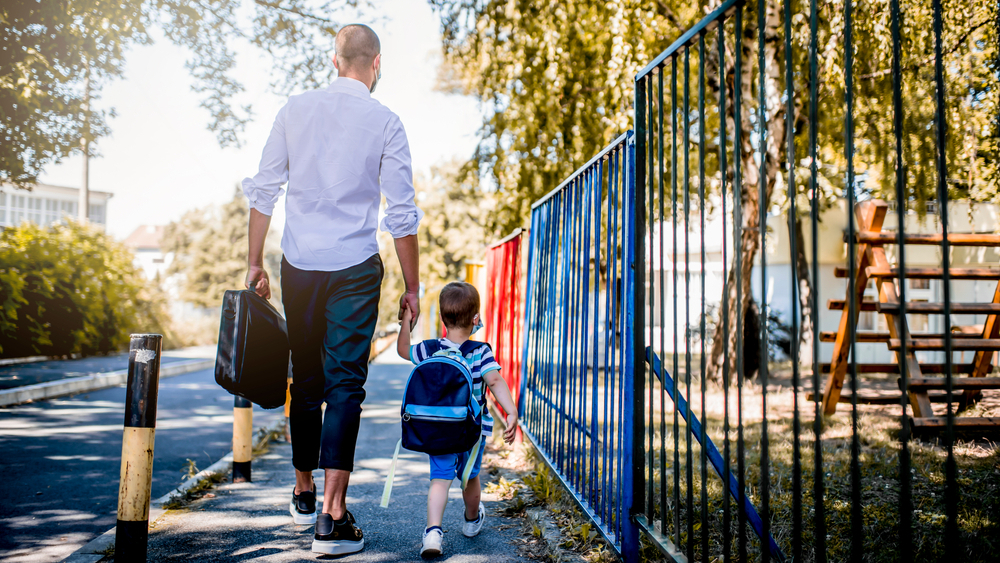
(132, 529)
(242, 439)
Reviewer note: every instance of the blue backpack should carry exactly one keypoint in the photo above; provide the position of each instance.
(440, 414)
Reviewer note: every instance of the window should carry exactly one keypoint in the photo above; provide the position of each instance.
(96, 213)
(16, 209)
(3, 208)
(35, 210)
(52, 214)
(920, 284)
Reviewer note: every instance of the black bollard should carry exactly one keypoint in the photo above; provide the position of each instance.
(132, 531)
(242, 438)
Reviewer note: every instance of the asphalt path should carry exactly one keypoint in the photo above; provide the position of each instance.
(60, 460)
(250, 521)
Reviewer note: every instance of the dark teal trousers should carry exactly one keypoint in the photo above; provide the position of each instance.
(331, 317)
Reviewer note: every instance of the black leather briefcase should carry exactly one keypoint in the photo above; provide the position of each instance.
(252, 360)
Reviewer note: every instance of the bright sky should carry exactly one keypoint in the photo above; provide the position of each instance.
(161, 160)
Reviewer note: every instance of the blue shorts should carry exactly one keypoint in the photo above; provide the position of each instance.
(451, 466)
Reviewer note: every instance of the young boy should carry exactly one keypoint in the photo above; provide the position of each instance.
(459, 305)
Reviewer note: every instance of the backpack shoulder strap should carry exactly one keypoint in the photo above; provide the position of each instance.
(470, 346)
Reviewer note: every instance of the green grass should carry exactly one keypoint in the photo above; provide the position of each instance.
(978, 479)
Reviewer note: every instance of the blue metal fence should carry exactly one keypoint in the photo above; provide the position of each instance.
(577, 398)
(735, 460)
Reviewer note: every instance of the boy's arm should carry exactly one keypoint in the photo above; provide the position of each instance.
(403, 342)
(502, 394)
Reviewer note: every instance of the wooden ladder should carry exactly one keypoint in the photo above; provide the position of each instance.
(872, 264)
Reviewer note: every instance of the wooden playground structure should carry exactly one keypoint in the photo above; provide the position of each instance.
(969, 379)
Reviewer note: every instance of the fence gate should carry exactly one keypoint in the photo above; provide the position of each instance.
(664, 378)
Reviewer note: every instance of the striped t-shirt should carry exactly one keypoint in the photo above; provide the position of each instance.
(480, 359)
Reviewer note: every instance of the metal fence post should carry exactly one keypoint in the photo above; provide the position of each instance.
(242, 439)
(635, 367)
(132, 530)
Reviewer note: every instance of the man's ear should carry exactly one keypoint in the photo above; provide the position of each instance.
(336, 65)
(377, 63)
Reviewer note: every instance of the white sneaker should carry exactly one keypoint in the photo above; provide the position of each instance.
(432, 542)
(471, 529)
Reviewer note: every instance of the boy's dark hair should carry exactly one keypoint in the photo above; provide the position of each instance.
(459, 304)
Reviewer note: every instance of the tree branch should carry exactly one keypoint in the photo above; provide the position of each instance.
(929, 60)
(296, 11)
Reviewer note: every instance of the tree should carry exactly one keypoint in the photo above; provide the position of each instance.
(451, 233)
(557, 82)
(52, 47)
(70, 289)
(209, 247)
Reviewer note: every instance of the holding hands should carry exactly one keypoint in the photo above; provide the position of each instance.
(409, 309)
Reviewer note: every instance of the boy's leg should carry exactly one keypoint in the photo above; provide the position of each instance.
(437, 498)
(471, 495)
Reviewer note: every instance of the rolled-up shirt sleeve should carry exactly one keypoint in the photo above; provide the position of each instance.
(402, 216)
(264, 189)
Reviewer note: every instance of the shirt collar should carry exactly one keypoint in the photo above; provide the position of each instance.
(350, 86)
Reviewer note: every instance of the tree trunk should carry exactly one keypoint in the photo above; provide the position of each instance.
(807, 326)
(749, 243)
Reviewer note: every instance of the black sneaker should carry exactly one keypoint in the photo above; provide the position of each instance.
(337, 538)
(303, 507)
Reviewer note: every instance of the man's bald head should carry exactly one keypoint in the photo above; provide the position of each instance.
(357, 46)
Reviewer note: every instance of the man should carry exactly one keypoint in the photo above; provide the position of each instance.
(339, 150)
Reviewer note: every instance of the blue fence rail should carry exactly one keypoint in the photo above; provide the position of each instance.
(577, 397)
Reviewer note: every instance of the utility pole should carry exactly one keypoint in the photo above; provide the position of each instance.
(84, 204)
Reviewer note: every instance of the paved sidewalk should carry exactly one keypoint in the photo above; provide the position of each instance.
(19, 375)
(250, 521)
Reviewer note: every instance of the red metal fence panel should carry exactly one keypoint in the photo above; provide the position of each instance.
(503, 312)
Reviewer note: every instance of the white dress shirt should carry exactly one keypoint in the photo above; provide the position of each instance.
(338, 149)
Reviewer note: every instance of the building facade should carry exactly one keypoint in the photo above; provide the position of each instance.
(777, 286)
(46, 204)
(145, 242)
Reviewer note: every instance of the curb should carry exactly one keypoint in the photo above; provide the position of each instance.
(25, 360)
(90, 382)
(97, 548)
(552, 536)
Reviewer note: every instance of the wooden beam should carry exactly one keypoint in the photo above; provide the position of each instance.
(983, 358)
(894, 368)
(920, 307)
(887, 397)
(960, 423)
(883, 272)
(955, 239)
(870, 215)
(991, 330)
(889, 292)
(978, 383)
(938, 308)
(939, 343)
(841, 304)
(883, 336)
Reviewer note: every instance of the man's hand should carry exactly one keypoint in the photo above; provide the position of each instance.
(256, 233)
(409, 301)
(258, 274)
(511, 431)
